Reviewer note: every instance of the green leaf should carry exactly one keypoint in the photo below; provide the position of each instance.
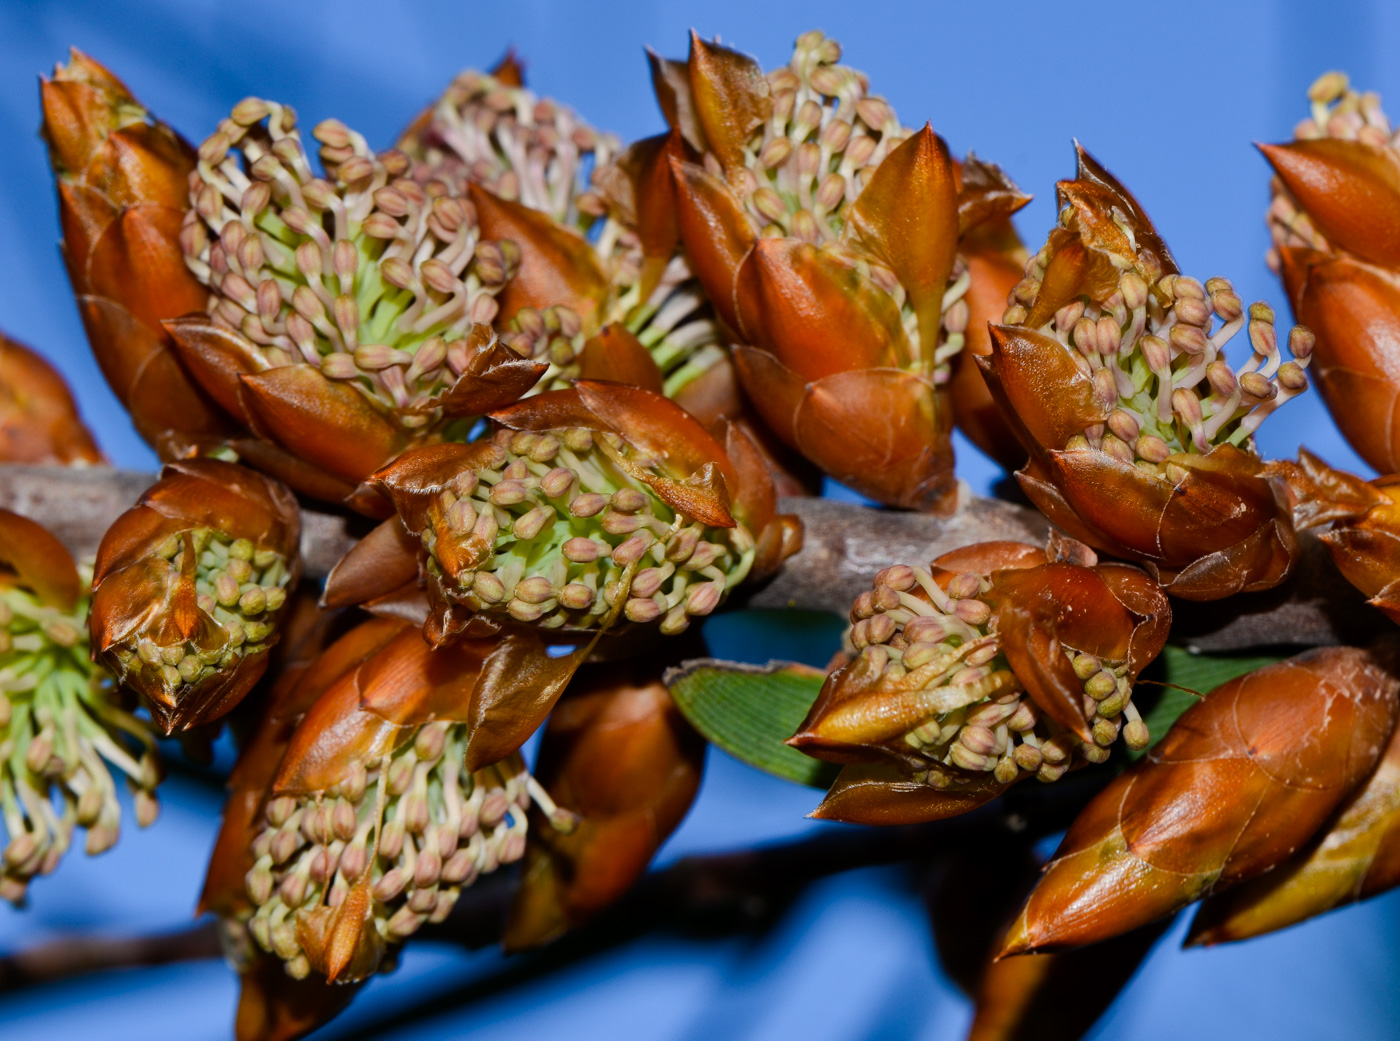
(750, 710)
(1201, 673)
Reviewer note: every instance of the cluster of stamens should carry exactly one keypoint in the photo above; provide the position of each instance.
(675, 323)
(549, 334)
(538, 152)
(122, 112)
(238, 585)
(364, 273)
(811, 159)
(942, 645)
(521, 147)
(61, 733)
(1157, 359)
(554, 531)
(822, 144)
(416, 821)
(1340, 112)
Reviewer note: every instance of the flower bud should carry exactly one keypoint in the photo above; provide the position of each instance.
(974, 612)
(1284, 782)
(932, 683)
(1222, 378)
(215, 513)
(1301, 342)
(1056, 376)
(978, 739)
(607, 539)
(39, 421)
(125, 261)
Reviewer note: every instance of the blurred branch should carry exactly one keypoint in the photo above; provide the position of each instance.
(844, 546)
(79, 955)
(731, 894)
(705, 896)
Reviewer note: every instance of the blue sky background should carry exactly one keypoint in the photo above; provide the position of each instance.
(1168, 96)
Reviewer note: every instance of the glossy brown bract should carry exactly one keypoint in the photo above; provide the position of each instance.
(189, 586)
(1242, 781)
(827, 236)
(1109, 366)
(1367, 550)
(618, 754)
(1356, 856)
(1355, 309)
(39, 421)
(1043, 997)
(122, 181)
(991, 665)
(996, 260)
(1335, 223)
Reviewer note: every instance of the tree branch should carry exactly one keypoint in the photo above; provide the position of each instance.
(80, 955)
(705, 896)
(844, 546)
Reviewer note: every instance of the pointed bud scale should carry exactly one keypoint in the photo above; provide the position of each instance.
(937, 685)
(1349, 189)
(1354, 310)
(641, 475)
(122, 188)
(793, 295)
(165, 618)
(1242, 780)
(995, 259)
(39, 420)
(558, 267)
(60, 713)
(1021, 998)
(1165, 370)
(603, 248)
(850, 302)
(341, 941)
(1366, 549)
(276, 1006)
(1353, 858)
(916, 179)
(1336, 197)
(340, 347)
(730, 98)
(1055, 998)
(622, 767)
(390, 718)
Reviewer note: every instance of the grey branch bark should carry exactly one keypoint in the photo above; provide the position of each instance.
(844, 546)
(79, 504)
